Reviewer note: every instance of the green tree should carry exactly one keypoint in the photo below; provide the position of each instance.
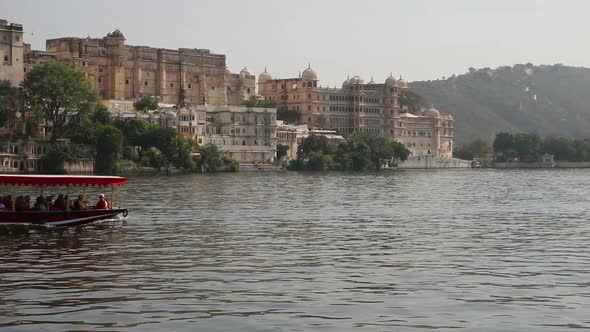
(134, 131)
(320, 121)
(146, 103)
(211, 158)
(504, 145)
(282, 150)
(527, 146)
(108, 149)
(59, 94)
(3, 112)
(477, 149)
(102, 115)
(257, 101)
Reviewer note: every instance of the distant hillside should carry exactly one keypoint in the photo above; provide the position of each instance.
(523, 98)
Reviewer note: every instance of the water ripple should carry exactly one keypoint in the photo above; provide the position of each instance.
(410, 250)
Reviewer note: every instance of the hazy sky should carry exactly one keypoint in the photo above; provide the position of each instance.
(419, 39)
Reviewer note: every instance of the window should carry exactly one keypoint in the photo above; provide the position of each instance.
(171, 85)
(190, 86)
(100, 70)
(248, 90)
(100, 80)
(6, 58)
(145, 83)
(212, 88)
(83, 63)
(127, 82)
(17, 38)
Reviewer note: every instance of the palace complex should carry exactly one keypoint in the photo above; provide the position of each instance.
(124, 73)
(371, 107)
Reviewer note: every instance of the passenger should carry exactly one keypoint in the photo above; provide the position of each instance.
(19, 204)
(40, 204)
(79, 203)
(8, 202)
(28, 203)
(102, 202)
(59, 204)
(48, 202)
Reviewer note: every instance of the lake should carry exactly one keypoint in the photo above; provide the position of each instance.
(474, 250)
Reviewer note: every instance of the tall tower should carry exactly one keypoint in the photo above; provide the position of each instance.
(115, 70)
(11, 52)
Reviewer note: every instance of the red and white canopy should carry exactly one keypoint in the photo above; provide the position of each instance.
(62, 180)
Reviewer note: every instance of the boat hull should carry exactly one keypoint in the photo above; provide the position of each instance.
(58, 218)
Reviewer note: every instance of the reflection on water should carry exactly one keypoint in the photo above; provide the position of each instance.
(480, 250)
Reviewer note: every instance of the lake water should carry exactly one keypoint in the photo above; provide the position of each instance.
(474, 250)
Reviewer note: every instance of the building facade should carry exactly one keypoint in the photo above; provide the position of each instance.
(11, 52)
(124, 72)
(247, 134)
(357, 106)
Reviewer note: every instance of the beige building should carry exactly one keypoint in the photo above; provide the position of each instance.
(293, 135)
(246, 134)
(123, 72)
(360, 107)
(11, 52)
(26, 156)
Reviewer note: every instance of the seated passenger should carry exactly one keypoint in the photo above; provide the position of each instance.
(8, 202)
(28, 203)
(59, 204)
(79, 203)
(102, 202)
(19, 204)
(40, 204)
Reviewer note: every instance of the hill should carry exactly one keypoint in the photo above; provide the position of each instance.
(548, 100)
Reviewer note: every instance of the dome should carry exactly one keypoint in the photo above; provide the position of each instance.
(309, 74)
(401, 83)
(357, 80)
(432, 112)
(265, 76)
(117, 33)
(371, 81)
(227, 71)
(245, 72)
(390, 80)
(346, 83)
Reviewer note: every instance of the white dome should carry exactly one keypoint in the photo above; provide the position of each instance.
(227, 71)
(357, 80)
(390, 81)
(245, 72)
(401, 83)
(432, 112)
(265, 76)
(309, 74)
(346, 83)
(371, 81)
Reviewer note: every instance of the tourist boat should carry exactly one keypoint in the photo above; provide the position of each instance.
(60, 218)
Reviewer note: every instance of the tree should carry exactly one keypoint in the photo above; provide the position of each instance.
(477, 149)
(257, 101)
(320, 121)
(211, 158)
(3, 112)
(102, 115)
(504, 145)
(108, 148)
(527, 146)
(282, 150)
(146, 103)
(59, 94)
(134, 130)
